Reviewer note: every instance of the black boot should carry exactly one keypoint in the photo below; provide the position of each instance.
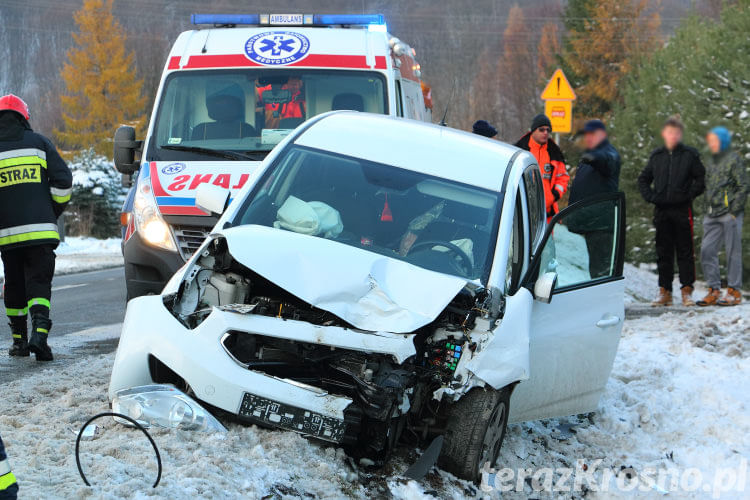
(19, 328)
(40, 326)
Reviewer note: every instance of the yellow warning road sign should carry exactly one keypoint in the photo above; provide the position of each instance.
(558, 88)
(560, 114)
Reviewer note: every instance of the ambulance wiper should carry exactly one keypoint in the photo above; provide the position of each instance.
(221, 153)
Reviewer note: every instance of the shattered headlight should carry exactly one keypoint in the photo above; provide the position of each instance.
(164, 406)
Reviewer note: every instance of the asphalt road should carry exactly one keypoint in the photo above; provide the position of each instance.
(84, 300)
(79, 302)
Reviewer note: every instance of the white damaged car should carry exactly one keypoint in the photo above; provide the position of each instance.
(382, 280)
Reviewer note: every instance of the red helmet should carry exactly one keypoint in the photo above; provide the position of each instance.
(11, 102)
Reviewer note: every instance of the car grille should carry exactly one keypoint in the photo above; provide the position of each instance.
(189, 238)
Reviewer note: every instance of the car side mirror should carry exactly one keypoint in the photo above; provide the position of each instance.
(212, 199)
(125, 147)
(544, 287)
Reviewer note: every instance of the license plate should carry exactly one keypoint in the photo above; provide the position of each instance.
(291, 418)
(282, 19)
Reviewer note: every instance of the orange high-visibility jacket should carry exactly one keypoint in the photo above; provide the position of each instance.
(551, 163)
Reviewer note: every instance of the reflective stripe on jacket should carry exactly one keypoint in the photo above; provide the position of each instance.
(35, 185)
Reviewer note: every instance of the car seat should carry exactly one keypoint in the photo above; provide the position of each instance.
(226, 106)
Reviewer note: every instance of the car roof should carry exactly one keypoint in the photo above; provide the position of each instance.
(422, 147)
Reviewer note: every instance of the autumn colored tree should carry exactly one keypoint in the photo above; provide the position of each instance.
(516, 74)
(605, 39)
(548, 50)
(102, 90)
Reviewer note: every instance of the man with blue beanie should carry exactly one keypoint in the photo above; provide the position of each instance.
(727, 186)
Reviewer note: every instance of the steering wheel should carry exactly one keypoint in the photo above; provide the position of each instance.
(465, 259)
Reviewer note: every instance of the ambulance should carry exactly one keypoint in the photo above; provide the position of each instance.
(231, 90)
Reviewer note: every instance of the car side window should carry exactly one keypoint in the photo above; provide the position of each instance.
(586, 245)
(535, 202)
(514, 266)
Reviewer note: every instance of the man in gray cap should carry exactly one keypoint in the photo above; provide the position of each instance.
(598, 173)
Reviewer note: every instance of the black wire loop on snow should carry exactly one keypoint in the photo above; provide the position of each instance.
(132, 421)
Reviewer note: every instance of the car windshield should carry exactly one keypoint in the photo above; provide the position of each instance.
(434, 223)
(249, 111)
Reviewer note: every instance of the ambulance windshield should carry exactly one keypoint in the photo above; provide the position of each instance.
(251, 110)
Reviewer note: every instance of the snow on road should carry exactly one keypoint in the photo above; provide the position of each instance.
(78, 253)
(676, 402)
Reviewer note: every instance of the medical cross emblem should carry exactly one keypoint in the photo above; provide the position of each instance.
(277, 47)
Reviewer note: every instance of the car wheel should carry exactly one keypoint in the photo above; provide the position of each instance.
(474, 432)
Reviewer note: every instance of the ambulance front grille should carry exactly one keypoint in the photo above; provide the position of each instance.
(189, 238)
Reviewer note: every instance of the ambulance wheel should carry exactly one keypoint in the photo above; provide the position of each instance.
(474, 432)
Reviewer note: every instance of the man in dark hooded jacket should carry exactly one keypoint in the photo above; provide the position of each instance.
(35, 187)
(598, 173)
(672, 179)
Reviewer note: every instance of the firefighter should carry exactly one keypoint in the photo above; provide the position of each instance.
(35, 187)
(550, 159)
(8, 485)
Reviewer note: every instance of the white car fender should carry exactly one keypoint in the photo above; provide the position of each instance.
(504, 357)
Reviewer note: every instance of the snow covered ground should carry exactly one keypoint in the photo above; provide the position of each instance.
(78, 254)
(674, 423)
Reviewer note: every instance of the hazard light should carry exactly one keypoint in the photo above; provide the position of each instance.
(372, 21)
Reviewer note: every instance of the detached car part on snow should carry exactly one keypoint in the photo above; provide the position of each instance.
(328, 318)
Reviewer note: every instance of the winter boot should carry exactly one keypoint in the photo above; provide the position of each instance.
(687, 296)
(19, 328)
(664, 299)
(732, 298)
(40, 326)
(711, 298)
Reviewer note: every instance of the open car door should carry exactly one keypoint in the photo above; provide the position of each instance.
(577, 317)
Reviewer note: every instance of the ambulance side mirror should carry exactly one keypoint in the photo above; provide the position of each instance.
(212, 199)
(125, 147)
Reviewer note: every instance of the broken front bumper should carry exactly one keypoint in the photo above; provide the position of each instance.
(200, 359)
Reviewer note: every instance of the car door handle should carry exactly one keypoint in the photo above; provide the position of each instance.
(609, 321)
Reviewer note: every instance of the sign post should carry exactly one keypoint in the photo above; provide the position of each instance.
(558, 97)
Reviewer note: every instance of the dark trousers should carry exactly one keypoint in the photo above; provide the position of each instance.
(28, 280)
(601, 258)
(674, 237)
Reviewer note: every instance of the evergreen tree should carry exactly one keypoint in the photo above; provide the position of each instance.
(702, 75)
(99, 76)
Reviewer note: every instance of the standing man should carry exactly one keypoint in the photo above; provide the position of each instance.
(598, 173)
(483, 128)
(550, 159)
(673, 177)
(35, 186)
(8, 485)
(727, 186)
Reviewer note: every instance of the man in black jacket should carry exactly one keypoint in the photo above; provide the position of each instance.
(35, 187)
(673, 177)
(598, 173)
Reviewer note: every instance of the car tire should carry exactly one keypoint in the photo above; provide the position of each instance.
(474, 432)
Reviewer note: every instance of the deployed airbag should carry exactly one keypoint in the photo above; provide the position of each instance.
(314, 218)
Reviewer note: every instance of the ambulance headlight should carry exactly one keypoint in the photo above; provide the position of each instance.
(148, 221)
(164, 406)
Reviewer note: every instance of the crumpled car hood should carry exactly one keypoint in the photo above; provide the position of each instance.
(370, 291)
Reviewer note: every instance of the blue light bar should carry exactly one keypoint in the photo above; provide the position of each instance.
(349, 19)
(315, 20)
(225, 19)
